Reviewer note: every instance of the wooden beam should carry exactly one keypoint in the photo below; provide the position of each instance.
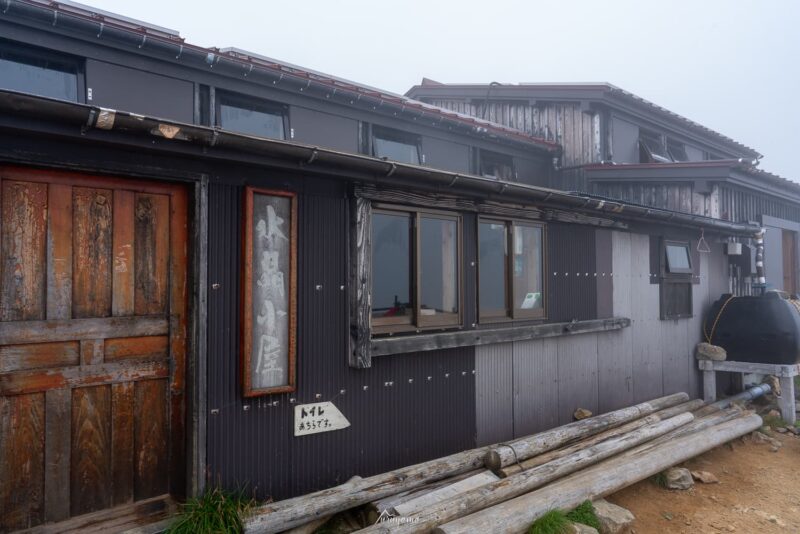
(416, 343)
(600, 480)
(778, 370)
(22, 382)
(22, 332)
(360, 284)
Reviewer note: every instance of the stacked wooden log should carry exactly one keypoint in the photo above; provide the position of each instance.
(505, 487)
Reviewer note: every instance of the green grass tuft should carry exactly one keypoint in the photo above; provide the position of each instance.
(585, 515)
(553, 522)
(216, 511)
(773, 421)
(659, 480)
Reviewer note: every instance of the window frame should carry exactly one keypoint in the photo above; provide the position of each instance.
(676, 150)
(419, 322)
(251, 103)
(669, 279)
(511, 313)
(50, 55)
(648, 142)
(479, 160)
(395, 135)
(667, 270)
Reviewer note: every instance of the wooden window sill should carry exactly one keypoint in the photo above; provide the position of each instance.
(444, 340)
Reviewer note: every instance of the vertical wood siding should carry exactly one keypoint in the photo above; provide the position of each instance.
(564, 123)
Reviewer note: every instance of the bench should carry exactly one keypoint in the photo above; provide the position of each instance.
(784, 373)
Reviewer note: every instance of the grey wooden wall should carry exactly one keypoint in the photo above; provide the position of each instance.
(565, 123)
(529, 386)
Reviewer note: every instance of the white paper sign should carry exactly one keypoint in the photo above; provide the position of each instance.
(318, 417)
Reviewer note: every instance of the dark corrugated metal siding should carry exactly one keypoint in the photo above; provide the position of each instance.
(398, 415)
(571, 265)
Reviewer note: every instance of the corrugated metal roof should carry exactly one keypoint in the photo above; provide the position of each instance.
(252, 60)
(604, 89)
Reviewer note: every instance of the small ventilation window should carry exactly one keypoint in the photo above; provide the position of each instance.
(496, 165)
(677, 151)
(652, 149)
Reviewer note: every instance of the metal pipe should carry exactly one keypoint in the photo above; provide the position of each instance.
(761, 279)
(750, 394)
(422, 177)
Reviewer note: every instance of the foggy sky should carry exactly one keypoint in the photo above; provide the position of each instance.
(733, 66)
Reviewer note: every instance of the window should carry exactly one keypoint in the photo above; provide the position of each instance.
(415, 269)
(249, 116)
(495, 165)
(676, 279)
(652, 149)
(39, 72)
(678, 260)
(510, 270)
(395, 145)
(676, 150)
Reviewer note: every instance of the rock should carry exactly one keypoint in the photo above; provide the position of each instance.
(774, 413)
(580, 528)
(678, 478)
(794, 430)
(760, 437)
(707, 351)
(705, 477)
(773, 448)
(613, 519)
(781, 429)
(581, 413)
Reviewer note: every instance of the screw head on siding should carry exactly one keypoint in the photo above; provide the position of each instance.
(365, 388)
(215, 411)
(318, 287)
(317, 395)
(215, 286)
(246, 407)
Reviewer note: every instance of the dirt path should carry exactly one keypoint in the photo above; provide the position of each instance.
(759, 492)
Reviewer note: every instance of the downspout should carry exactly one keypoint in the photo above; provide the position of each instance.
(761, 281)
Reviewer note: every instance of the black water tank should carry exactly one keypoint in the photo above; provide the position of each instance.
(763, 329)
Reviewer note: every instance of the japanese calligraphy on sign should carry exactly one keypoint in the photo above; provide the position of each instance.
(268, 358)
(318, 417)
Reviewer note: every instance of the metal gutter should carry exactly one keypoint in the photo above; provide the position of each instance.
(97, 26)
(379, 171)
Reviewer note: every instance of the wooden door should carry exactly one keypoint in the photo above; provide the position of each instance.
(789, 261)
(92, 343)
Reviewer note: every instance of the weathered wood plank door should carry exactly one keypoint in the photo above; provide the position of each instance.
(93, 309)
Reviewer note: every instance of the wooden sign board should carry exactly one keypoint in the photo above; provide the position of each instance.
(318, 417)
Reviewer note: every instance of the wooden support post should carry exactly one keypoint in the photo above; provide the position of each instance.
(709, 385)
(786, 400)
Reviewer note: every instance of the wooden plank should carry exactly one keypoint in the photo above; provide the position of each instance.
(122, 420)
(92, 351)
(115, 519)
(151, 432)
(709, 386)
(57, 454)
(122, 297)
(22, 430)
(91, 450)
(179, 314)
(92, 246)
(404, 344)
(37, 355)
(23, 332)
(59, 252)
(750, 367)
(82, 179)
(360, 284)
(23, 236)
(126, 348)
(151, 254)
(22, 382)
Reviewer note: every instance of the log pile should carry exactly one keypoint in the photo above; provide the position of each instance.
(505, 487)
